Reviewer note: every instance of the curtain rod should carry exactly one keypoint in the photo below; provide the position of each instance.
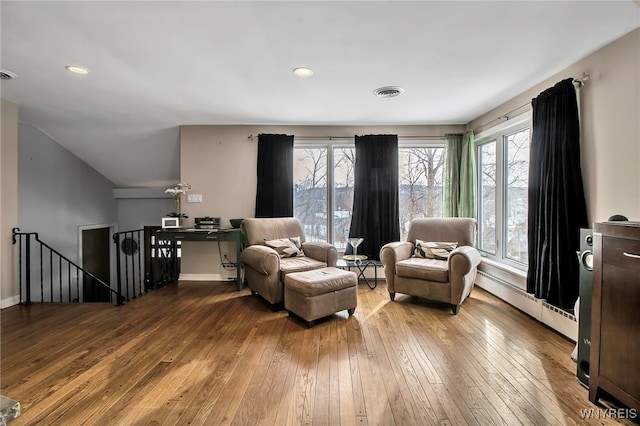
(577, 83)
(333, 138)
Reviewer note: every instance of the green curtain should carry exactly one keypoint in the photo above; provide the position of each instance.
(460, 191)
(467, 203)
(453, 144)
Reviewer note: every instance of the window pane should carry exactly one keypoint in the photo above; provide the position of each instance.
(310, 191)
(421, 172)
(487, 196)
(343, 164)
(517, 175)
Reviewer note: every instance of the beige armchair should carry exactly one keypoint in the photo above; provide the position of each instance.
(449, 276)
(266, 262)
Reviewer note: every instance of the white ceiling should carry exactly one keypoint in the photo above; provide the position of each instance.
(157, 65)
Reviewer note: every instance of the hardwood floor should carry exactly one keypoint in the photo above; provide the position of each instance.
(205, 354)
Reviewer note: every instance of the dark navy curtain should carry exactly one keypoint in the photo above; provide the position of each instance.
(557, 208)
(375, 195)
(274, 191)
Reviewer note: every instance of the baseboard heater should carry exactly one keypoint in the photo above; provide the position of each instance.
(561, 321)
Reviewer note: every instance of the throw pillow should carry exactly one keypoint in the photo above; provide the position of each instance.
(434, 250)
(286, 247)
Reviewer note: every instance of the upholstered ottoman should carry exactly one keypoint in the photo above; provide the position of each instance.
(320, 292)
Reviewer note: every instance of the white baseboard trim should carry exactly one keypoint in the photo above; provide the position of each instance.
(561, 321)
(10, 301)
(204, 277)
(557, 319)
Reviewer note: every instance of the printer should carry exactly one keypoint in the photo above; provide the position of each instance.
(207, 222)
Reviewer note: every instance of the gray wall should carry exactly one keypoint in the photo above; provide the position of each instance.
(58, 192)
(9, 206)
(135, 213)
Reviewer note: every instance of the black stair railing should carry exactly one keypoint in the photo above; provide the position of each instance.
(164, 260)
(60, 278)
(130, 268)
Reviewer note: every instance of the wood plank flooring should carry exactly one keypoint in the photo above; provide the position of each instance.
(206, 354)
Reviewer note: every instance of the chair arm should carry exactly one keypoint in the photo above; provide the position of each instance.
(318, 250)
(463, 260)
(262, 259)
(391, 253)
(324, 252)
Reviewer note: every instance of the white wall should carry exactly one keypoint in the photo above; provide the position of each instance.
(610, 126)
(9, 197)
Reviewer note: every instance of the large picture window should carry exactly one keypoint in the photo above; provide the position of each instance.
(323, 176)
(310, 198)
(503, 168)
(516, 180)
(487, 196)
(421, 178)
(319, 189)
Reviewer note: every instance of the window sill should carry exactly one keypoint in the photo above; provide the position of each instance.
(506, 273)
(504, 267)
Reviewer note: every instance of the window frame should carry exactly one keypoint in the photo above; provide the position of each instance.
(423, 143)
(499, 134)
(329, 145)
(497, 199)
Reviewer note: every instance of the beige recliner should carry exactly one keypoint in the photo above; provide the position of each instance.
(447, 277)
(265, 268)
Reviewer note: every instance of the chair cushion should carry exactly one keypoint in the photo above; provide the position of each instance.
(286, 247)
(298, 264)
(434, 250)
(423, 269)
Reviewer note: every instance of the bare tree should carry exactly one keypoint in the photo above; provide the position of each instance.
(344, 168)
(310, 192)
(487, 194)
(518, 179)
(431, 160)
(345, 162)
(420, 184)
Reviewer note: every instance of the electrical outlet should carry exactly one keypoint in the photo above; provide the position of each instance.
(194, 198)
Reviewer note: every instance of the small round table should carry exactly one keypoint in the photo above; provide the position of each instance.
(361, 263)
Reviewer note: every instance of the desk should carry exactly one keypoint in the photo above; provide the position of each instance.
(362, 266)
(207, 235)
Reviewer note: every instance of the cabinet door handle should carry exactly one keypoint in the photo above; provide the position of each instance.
(631, 255)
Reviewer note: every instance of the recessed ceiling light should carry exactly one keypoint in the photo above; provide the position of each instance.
(77, 69)
(303, 72)
(388, 91)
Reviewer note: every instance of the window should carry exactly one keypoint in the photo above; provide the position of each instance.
(421, 176)
(487, 197)
(344, 159)
(503, 167)
(310, 201)
(319, 189)
(517, 180)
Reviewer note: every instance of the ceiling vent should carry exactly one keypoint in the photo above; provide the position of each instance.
(6, 75)
(388, 91)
